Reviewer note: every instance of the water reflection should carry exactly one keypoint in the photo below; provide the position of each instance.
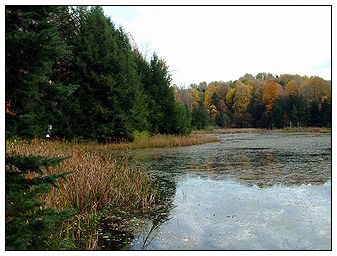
(262, 161)
(254, 161)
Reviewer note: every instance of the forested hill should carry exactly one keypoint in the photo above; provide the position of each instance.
(73, 69)
(264, 101)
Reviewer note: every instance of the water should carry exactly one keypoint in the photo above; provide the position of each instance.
(247, 192)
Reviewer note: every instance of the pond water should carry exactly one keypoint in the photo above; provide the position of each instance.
(249, 191)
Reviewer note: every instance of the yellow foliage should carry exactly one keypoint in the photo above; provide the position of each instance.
(241, 99)
(211, 89)
(230, 97)
(292, 88)
(195, 97)
(315, 88)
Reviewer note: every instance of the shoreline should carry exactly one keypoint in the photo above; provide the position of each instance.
(261, 130)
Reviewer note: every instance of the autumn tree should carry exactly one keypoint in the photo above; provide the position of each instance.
(270, 91)
(315, 88)
(292, 88)
(242, 96)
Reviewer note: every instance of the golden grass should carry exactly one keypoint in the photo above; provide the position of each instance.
(162, 141)
(98, 178)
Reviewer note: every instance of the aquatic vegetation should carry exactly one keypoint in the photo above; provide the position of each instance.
(163, 141)
(98, 179)
(262, 130)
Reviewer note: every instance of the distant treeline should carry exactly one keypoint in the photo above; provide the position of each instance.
(263, 101)
(71, 68)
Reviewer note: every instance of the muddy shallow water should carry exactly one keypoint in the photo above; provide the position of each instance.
(247, 192)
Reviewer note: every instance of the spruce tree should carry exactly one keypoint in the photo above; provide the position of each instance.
(29, 224)
(200, 118)
(314, 114)
(33, 45)
(104, 67)
(277, 115)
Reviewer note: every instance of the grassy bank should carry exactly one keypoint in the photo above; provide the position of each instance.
(162, 141)
(260, 130)
(98, 179)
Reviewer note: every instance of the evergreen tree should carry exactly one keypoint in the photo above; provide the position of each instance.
(266, 120)
(183, 118)
(29, 224)
(300, 113)
(256, 110)
(33, 45)
(277, 114)
(160, 97)
(110, 93)
(223, 120)
(200, 118)
(325, 113)
(314, 114)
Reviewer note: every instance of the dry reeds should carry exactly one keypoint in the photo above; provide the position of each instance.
(163, 141)
(97, 179)
(262, 130)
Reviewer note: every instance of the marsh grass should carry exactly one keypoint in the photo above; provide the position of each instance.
(260, 130)
(97, 179)
(162, 141)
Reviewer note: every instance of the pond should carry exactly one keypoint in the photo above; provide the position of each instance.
(250, 191)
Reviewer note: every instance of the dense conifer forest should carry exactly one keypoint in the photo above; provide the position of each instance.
(71, 68)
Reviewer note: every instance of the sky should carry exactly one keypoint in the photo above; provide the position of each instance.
(212, 43)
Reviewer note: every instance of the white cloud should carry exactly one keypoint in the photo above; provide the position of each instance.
(223, 43)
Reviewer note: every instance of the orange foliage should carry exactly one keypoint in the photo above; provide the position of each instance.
(8, 109)
(270, 91)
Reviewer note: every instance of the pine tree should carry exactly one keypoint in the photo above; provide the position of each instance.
(33, 45)
(314, 114)
(325, 113)
(29, 224)
(200, 118)
(110, 93)
(277, 115)
(182, 122)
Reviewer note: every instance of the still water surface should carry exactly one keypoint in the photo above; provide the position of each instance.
(247, 192)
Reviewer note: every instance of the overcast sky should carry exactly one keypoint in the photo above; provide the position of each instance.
(225, 42)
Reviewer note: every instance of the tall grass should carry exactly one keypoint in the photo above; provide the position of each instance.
(263, 130)
(97, 179)
(162, 141)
